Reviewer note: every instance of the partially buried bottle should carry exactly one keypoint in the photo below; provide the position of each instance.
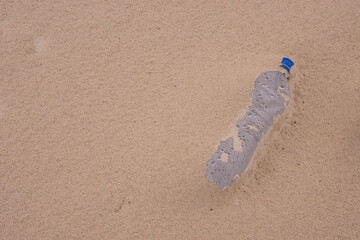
(270, 97)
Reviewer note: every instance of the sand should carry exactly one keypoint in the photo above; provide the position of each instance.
(109, 111)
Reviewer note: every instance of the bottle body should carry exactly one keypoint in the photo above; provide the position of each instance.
(270, 97)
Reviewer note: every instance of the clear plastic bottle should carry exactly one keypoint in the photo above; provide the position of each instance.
(270, 97)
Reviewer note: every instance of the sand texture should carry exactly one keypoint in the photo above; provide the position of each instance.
(109, 111)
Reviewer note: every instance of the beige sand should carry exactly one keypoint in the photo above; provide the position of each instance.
(110, 110)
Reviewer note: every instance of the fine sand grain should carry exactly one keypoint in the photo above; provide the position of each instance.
(109, 111)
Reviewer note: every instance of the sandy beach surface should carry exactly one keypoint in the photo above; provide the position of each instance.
(109, 111)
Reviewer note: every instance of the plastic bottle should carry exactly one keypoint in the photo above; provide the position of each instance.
(270, 96)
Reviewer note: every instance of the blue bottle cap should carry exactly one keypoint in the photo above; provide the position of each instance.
(287, 63)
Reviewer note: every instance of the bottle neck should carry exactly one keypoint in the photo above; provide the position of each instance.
(283, 70)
